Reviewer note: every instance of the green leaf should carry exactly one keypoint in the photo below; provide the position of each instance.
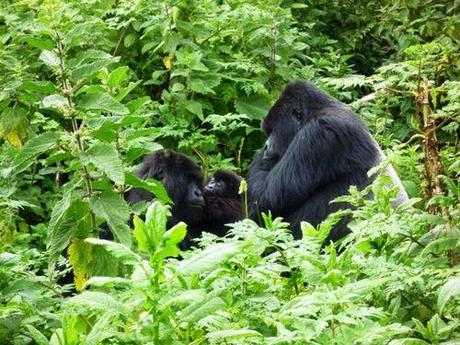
(39, 43)
(199, 86)
(101, 330)
(105, 158)
(97, 301)
(113, 209)
(129, 40)
(36, 335)
(200, 310)
(208, 259)
(447, 291)
(254, 106)
(117, 76)
(49, 58)
(228, 334)
(91, 68)
(57, 240)
(34, 147)
(55, 102)
(151, 185)
(102, 101)
(195, 108)
(118, 250)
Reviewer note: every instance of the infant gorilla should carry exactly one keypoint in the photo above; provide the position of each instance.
(224, 204)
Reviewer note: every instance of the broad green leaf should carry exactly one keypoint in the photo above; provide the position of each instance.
(200, 86)
(33, 148)
(195, 108)
(225, 335)
(151, 185)
(113, 209)
(55, 102)
(49, 58)
(447, 291)
(106, 281)
(105, 158)
(186, 297)
(102, 101)
(39, 43)
(254, 106)
(129, 40)
(70, 215)
(118, 250)
(98, 301)
(101, 330)
(441, 245)
(172, 238)
(38, 86)
(198, 311)
(91, 68)
(142, 237)
(36, 335)
(117, 76)
(208, 259)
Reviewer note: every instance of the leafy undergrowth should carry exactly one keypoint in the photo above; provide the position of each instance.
(257, 286)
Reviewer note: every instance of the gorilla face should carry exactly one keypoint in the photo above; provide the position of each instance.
(215, 187)
(182, 179)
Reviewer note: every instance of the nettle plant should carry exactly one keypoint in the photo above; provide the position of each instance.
(98, 123)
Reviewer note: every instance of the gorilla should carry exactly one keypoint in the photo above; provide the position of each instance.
(224, 204)
(183, 180)
(316, 149)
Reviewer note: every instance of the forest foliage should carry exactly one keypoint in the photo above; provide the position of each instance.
(89, 87)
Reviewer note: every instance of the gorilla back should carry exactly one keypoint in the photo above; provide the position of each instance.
(316, 149)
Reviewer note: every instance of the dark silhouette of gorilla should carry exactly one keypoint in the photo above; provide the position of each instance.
(223, 203)
(183, 180)
(316, 149)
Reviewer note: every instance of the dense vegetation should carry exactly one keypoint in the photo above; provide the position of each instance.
(89, 87)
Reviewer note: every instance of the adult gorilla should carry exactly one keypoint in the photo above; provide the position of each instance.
(316, 149)
(183, 180)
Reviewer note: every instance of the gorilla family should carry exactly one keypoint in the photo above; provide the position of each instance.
(206, 208)
(316, 148)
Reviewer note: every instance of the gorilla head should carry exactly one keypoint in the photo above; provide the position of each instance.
(224, 204)
(299, 103)
(182, 179)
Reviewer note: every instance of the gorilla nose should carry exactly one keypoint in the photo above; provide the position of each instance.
(197, 198)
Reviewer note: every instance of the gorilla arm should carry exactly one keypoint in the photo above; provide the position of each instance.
(325, 150)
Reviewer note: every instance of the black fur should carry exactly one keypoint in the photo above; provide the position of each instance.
(223, 205)
(183, 180)
(316, 149)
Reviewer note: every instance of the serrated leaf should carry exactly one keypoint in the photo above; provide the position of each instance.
(49, 58)
(198, 311)
(32, 149)
(195, 108)
(186, 297)
(102, 101)
(101, 330)
(113, 209)
(447, 291)
(254, 106)
(199, 86)
(105, 158)
(208, 259)
(98, 301)
(36, 335)
(151, 185)
(58, 240)
(91, 68)
(106, 281)
(232, 334)
(55, 102)
(117, 76)
(118, 250)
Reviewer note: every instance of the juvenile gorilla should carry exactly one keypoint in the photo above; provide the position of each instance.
(316, 149)
(223, 203)
(183, 180)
